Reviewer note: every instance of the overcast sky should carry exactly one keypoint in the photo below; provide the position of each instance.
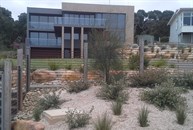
(20, 6)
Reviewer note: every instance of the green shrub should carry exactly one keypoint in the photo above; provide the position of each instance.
(134, 62)
(149, 78)
(117, 77)
(159, 63)
(103, 123)
(76, 119)
(117, 107)
(78, 86)
(68, 67)
(49, 101)
(164, 95)
(53, 65)
(114, 91)
(183, 80)
(143, 117)
(181, 115)
(37, 113)
(172, 66)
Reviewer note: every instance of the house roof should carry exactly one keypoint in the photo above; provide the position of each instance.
(177, 13)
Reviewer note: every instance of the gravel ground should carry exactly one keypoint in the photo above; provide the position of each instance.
(158, 120)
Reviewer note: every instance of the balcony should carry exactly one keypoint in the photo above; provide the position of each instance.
(69, 22)
(81, 22)
(40, 42)
(41, 25)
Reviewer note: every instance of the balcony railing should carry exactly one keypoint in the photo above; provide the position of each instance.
(88, 22)
(69, 21)
(41, 25)
(40, 42)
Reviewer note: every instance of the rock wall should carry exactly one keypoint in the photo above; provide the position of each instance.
(27, 125)
(33, 96)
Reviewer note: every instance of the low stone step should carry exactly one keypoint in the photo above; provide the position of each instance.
(54, 116)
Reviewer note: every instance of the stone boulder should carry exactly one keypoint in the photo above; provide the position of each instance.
(43, 75)
(27, 125)
(70, 75)
(93, 75)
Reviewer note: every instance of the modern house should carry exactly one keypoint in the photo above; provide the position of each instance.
(61, 33)
(181, 26)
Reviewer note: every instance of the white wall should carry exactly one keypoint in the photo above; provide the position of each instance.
(175, 29)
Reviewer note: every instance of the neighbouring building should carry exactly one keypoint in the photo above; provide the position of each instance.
(60, 33)
(181, 26)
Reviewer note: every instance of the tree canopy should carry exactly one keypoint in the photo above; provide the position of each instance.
(153, 23)
(11, 31)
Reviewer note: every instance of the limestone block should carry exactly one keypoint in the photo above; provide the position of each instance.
(43, 75)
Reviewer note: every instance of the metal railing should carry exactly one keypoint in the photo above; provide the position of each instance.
(69, 21)
(43, 42)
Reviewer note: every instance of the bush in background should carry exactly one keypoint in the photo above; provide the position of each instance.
(143, 117)
(149, 78)
(159, 63)
(49, 101)
(134, 62)
(76, 119)
(103, 123)
(183, 80)
(68, 67)
(77, 86)
(53, 65)
(164, 95)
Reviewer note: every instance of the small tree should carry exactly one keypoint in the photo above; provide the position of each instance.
(104, 47)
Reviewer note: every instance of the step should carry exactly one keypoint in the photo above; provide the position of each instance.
(56, 115)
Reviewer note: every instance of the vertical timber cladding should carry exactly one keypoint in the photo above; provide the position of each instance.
(1, 99)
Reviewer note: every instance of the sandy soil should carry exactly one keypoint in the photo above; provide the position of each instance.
(158, 120)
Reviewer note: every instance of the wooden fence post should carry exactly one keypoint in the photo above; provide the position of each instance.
(19, 79)
(85, 62)
(141, 53)
(7, 95)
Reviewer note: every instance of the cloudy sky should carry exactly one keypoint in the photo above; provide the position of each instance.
(19, 6)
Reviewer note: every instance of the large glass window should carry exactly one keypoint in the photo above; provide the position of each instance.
(187, 18)
(51, 19)
(113, 21)
(76, 36)
(34, 34)
(34, 18)
(43, 19)
(67, 36)
(81, 19)
(121, 21)
(192, 19)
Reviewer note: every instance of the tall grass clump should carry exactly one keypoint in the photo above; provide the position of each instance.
(103, 123)
(149, 78)
(53, 65)
(76, 119)
(114, 91)
(134, 62)
(181, 115)
(143, 117)
(117, 107)
(165, 95)
(37, 113)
